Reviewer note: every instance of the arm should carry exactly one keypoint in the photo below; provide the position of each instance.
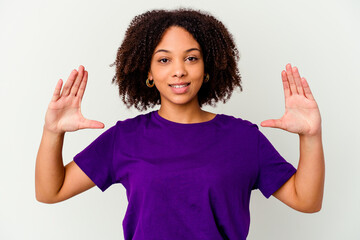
(304, 190)
(53, 181)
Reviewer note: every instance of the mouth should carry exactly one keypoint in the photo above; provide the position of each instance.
(180, 88)
(179, 85)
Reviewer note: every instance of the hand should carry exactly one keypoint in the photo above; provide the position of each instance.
(64, 111)
(302, 114)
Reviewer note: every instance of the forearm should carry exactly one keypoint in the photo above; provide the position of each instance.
(310, 175)
(49, 169)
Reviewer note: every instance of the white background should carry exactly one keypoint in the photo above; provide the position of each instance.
(42, 41)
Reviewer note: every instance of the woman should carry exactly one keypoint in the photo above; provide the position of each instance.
(188, 172)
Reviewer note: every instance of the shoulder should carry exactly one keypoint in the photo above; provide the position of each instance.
(133, 122)
(239, 129)
(238, 122)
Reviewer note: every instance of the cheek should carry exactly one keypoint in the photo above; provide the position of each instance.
(198, 75)
(198, 71)
(158, 73)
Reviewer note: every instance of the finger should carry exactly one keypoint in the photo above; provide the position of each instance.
(56, 94)
(69, 83)
(78, 80)
(307, 90)
(297, 79)
(91, 124)
(291, 79)
(285, 84)
(273, 123)
(82, 87)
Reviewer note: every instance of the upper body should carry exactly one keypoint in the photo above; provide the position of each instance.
(190, 58)
(193, 181)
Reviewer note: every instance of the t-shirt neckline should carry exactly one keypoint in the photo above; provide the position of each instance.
(176, 124)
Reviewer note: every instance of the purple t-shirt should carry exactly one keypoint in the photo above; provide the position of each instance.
(185, 181)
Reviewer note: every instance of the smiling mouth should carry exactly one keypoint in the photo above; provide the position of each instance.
(179, 86)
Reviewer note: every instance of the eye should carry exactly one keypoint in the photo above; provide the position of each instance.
(164, 60)
(192, 59)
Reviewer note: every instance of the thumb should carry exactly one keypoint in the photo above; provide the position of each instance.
(274, 123)
(91, 124)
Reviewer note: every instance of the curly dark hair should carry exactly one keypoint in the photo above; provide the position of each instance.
(144, 34)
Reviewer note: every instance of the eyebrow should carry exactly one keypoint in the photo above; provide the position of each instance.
(167, 51)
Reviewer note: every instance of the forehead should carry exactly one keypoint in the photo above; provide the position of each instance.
(177, 38)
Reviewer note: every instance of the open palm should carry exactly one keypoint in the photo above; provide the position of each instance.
(64, 111)
(302, 114)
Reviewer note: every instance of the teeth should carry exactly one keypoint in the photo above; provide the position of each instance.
(179, 86)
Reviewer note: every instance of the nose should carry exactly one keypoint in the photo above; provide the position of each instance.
(179, 69)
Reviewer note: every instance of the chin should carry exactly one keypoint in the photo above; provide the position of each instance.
(180, 101)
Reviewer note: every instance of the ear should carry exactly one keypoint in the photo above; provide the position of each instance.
(150, 76)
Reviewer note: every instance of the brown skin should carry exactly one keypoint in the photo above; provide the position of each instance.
(133, 60)
(304, 190)
(55, 183)
(178, 58)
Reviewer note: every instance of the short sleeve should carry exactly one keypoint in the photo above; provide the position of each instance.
(274, 170)
(96, 160)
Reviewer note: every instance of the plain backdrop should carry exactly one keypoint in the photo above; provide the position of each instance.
(42, 41)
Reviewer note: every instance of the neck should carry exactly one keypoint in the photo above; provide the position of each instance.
(183, 113)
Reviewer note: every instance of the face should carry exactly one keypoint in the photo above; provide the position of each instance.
(177, 67)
